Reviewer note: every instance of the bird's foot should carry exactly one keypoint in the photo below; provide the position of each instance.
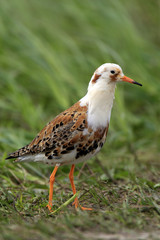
(85, 208)
(49, 205)
(76, 203)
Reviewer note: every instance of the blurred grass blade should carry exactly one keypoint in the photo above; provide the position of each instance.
(66, 203)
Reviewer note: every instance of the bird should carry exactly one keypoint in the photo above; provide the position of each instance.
(78, 133)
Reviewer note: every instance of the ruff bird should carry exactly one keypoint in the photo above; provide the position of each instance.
(79, 132)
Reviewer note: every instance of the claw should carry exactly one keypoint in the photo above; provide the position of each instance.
(86, 209)
(76, 203)
(49, 206)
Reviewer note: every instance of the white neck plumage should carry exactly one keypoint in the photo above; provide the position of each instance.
(100, 102)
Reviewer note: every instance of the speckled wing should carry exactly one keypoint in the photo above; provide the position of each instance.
(69, 130)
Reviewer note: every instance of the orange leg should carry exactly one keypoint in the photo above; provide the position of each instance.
(52, 179)
(76, 202)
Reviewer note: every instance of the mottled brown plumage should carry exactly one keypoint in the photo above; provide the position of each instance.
(64, 134)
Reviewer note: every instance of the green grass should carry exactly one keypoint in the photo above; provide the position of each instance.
(48, 52)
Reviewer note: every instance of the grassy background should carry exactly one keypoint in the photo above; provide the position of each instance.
(48, 52)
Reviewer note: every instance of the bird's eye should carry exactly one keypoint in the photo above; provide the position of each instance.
(113, 72)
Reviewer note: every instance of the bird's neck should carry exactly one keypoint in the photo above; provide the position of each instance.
(99, 104)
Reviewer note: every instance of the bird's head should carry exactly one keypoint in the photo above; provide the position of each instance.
(108, 74)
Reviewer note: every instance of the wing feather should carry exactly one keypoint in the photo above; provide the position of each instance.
(62, 129)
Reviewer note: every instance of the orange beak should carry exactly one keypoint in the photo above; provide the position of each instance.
(127, 79)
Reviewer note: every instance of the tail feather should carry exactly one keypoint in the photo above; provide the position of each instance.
(12, 155)
(20, 152)
(28, 157)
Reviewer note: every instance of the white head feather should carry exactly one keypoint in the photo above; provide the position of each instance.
(100, 95)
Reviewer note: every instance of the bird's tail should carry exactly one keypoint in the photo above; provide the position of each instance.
(19, 153)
